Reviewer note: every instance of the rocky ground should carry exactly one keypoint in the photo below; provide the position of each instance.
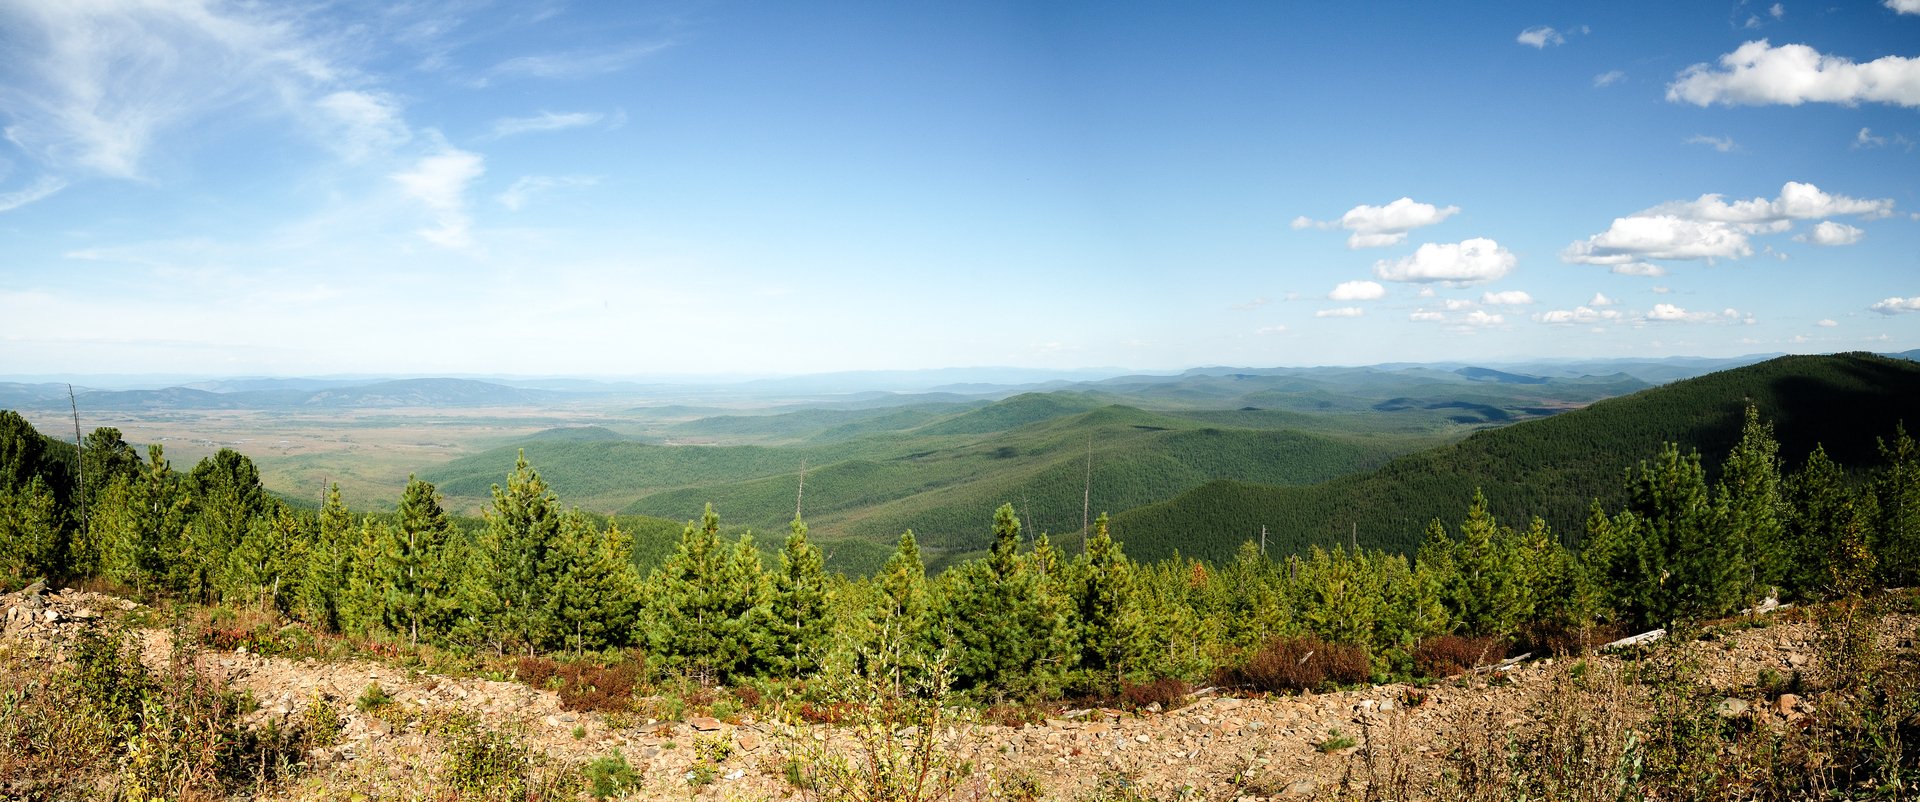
(1212, 747)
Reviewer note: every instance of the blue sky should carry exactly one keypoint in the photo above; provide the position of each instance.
(642, 189)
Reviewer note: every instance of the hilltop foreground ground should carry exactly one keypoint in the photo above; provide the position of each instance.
(1807, 701)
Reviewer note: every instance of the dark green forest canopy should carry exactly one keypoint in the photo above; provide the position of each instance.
(1551, 467)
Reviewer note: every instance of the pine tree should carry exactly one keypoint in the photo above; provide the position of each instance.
(417, 585)
(227, 496)
(704, 605)
(597, 597)
(328, 563)
(503, 592)
(899, 627)
(264, 567)
(32, 525)
(1898, 487)
(1821, 505)
(1003, 620)
(141, 521)
(1751, 507)
(1110, 633)
(363, 601)
(1704, 572)
(1488, 593)
(797, 631)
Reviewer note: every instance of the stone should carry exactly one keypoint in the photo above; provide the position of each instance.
(1300, 788)
(704, 723)
(1787, 704)
(1798, 660)
(1732, 708)
(747, 739)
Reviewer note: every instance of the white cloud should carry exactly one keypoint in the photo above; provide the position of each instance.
(1710, 227)
(1724, 144)
(1608, 78)
(365, 123)
(1380, 226)
(1827, 232)
(1777, 11)
(1632, 239)
(37, 191)
(1480, 317)
(1904, 6)
(544, 121)
(1894, 306)
(1758, 74)
(1641, 269)
(1457, 304)
(1540, 36)
(1796, 201)
(1344, 311)
(1672, 313)
(1469, 262)
(1358, 291)
(1250, 305)
(97, 86)
(1868, 139)
(1600, 299)
(1507, 298)
(1580, 314)
(524, 190)
(440, 183)
(1827, 324)
(573, 64)
(1426, 316)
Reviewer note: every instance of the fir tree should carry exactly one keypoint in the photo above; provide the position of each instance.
(1898, 488)
(1108, 616)
(265, 566)
(328, 562)
(1751, 507)
(503, 592)
(416, 581)
(1703, 572)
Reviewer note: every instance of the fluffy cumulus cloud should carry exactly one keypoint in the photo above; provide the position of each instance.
(1711, 227)
(1470, 262)
(1426, 316)
(1540, 36)
(1759, 74)
(1344, 311)
(1827, 323)
(1507, 298)
(439, 182)
(1827, 232)
(1481, 317)
(1600, 299)
(1380, 226)
(1358, 291)
(1904, 6)
(1894, 306)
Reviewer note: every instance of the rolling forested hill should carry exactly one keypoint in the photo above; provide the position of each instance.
(1551, 467)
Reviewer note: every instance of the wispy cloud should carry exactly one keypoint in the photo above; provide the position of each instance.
(1539, 36)
(37, 191)
(95, 86)
(571, 64)
(524, 190)
(440, 183)
(1608, 78)
(1724, 144)
(543, 122)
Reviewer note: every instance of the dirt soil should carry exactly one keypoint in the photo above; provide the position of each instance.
(1214, 747)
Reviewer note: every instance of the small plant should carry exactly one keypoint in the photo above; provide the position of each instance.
(321, 723)
(1022, 786)
(701, 773)
(487, 763)
(1335, 741)
(1167, 692)
(726, 709)
(713, 749)
(372, 698)
(611, 776)
(579, 731)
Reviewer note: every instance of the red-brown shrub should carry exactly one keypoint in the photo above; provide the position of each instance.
(1168, 692)
(749, 696)
(1297, 664)
(584, 685)
(1448, 655)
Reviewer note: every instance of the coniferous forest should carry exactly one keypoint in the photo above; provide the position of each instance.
(1027, 621)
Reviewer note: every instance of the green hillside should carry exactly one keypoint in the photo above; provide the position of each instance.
(1550, 467)
(946, 494)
